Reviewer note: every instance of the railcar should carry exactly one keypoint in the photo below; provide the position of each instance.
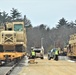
(12, 41)
(71, 47)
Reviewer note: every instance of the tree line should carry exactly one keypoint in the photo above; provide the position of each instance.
(15, 15)
(56, 37)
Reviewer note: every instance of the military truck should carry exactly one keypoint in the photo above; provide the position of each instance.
(71, 47)
(12, 41)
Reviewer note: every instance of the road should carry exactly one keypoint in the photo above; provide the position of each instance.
(49, 67)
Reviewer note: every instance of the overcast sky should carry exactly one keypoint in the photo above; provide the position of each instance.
(47, 12)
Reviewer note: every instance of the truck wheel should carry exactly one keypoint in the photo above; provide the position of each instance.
(49, 58)
(54, 57)
(42, 58)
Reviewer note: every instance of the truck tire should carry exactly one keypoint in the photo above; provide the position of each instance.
(42, 58)
(54, 57)
(49, 58)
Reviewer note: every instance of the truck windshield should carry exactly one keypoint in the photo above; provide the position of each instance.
(18, 27)
(37, 51)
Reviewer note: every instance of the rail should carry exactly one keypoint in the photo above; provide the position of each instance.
(10, 70)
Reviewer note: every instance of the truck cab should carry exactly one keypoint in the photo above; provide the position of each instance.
(39, 52)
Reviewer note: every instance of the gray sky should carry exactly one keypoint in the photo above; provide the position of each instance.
(47, 12)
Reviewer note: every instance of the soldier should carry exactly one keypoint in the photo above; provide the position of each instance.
(56, 54)
(33, 54)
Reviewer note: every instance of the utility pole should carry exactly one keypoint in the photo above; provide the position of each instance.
(42, 48)
(54, 44)
(42, 43)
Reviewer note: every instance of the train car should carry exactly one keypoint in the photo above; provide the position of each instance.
(12, 42)
(71, 47)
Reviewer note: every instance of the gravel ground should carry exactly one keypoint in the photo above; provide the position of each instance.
(45, 67)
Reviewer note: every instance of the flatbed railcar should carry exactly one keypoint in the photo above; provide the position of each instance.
(71, 47)
(12, 42)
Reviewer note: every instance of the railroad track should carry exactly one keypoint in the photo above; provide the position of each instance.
(6, 70)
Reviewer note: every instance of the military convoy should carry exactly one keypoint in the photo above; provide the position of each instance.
(13, 43)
